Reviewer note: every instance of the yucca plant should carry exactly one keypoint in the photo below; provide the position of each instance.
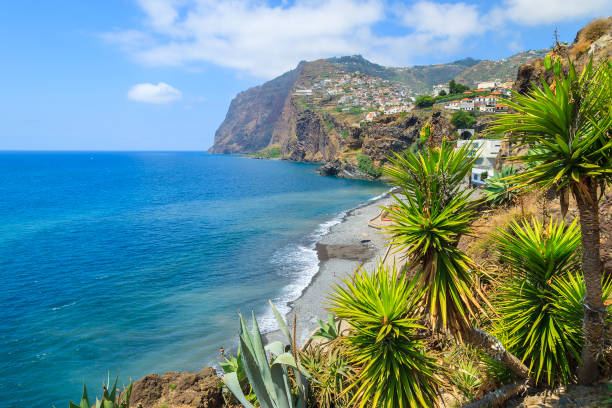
(541, 304)
(384, 345)
(499, 189)
(270, 381)
(110, 399)
(435, 209)
(570, 123)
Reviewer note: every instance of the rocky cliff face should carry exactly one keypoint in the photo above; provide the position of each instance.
(316, 129)
(253, 114)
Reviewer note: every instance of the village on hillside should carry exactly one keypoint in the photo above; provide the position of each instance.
(367, 96)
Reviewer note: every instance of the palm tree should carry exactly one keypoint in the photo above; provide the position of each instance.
(569, 124)
(435, 209)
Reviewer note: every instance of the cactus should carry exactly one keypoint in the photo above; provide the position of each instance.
(269, 380)
(110, 399)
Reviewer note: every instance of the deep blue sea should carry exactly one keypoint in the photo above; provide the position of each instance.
(132, 263)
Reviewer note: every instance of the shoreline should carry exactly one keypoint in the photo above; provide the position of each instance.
(347, 245)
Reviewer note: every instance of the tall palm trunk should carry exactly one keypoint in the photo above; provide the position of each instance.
(592, 268)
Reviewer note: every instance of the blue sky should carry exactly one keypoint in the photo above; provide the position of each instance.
(160, 74)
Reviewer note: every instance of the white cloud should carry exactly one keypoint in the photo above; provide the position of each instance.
(151, 93)
(530, 12)
(262, 40)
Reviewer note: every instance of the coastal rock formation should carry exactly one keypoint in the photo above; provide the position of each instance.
(178, 390)
(319, 127)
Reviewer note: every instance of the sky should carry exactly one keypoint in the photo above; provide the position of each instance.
(160, 74)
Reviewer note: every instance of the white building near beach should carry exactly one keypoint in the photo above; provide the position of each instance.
(487, 151)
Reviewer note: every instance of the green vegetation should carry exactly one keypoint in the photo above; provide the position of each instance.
(570, 125)
(110, 399)
(329, 330)
(365, 164)
(499, 189)
(270, 381)
(436, 211)
(172, 386)
(424, 101)
(331, 376)
(463, 119)
(270, 152)
(394, 368)
(345, 134)
(456, 88)
(355, 110)
(540, 303)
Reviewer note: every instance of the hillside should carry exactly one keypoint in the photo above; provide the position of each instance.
(503, 70)
(311, 113)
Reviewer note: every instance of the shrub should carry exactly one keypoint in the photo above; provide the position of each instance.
(392, 367)
(424, 101)
(331, 374)
(499, 189)
(463, 119)
(365, 164)
(541, 305)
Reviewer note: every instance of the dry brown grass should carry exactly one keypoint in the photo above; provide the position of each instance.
(595, 29)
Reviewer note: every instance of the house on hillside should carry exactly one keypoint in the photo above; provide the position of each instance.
(370, 116)
(487, 151)
(303, 92)
(466, 104)
(452, 105)
(439, 88)
(486, 85)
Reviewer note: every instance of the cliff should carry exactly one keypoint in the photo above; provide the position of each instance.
(314, 112)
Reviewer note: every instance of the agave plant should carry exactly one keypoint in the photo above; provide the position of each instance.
(110, 399)
(542, 303)
(384, 344)
(570, 123)
(499, 188)
(270, 381)
(329, 330)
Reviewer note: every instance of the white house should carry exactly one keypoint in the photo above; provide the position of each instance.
(452, 105)
(486, 85)
(303, 92)
(487, 151)
(466, 104)
(439, 88)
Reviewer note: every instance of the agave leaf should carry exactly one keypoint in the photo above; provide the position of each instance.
(281, 386)
(281, 323)
(232, 383)
(255, 373)
(276, 348)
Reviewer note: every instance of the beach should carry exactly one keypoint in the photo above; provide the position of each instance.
(348, 244)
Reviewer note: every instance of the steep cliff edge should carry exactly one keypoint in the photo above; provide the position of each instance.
(252, 116)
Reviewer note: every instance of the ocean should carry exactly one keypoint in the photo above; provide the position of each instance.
(133, 263)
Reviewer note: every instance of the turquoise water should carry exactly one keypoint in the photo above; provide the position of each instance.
(138, 262)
